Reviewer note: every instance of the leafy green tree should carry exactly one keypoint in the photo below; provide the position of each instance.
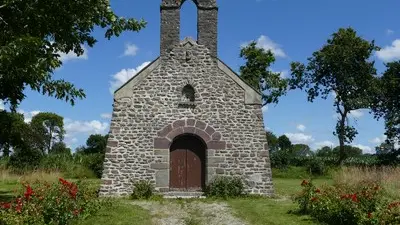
(341, 66)
(301, 150)
(387, 101)
(325, 151)
(35, 33)
(14, 132)
(255, 72)
(60, 148)
(350, 151)
(96, 143)
(272, 140)
(49, 127)
(284, 143)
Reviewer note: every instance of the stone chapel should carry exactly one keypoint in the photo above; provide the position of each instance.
(186, 118)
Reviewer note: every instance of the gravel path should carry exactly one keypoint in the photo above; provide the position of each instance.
(189, 213)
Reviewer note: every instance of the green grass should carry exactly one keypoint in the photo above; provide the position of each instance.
(263, 211)
(120, 213)
(267, 212)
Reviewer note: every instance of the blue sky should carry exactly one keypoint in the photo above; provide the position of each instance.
(292, 29)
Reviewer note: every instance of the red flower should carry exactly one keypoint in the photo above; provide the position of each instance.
(6, 205)
(369, 215)
(28, 192)
(354, 197)
(76, 212)
(393, 204)
(317, 191)
(304, 183)
(313, 199)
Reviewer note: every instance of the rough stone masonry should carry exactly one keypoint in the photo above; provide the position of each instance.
(151, 111)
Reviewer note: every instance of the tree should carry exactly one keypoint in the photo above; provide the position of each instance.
(96, 143)
(387, 101)
(301, 150)
(12, 130)
(255, 72)
(50, 129)
(272, 141)
(325, 151)
(341, 67)
(35, 33)
(60, 148)
(284, 143)
(350, 151)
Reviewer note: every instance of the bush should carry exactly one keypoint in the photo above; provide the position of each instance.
(92, 161)
(225, 187)
(280, 159)
(316, 167)
(142, 190)
(44, 203)
(341, 204)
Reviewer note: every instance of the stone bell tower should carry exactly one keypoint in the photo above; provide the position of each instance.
(207, 22)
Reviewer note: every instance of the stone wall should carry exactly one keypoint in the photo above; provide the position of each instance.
(137, 144)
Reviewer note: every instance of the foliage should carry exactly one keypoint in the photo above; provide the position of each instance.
(49, 127)
(25, 159)
(280, 159)
(44, 203)
(94, 162)
(60, 148)
(387, 101)
(142, 190)
(364, 203)
(96, 143)
(255, 72)
(301, 150)
(272, 141)
(341, 67)
(316, 166)
(225, 187)
(284, 142)
(36, 33)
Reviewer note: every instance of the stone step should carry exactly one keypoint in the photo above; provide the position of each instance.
(183, 194)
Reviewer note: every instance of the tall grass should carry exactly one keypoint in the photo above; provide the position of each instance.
(8, 177)
(388, 177)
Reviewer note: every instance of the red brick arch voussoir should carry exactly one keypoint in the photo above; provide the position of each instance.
(206, 132)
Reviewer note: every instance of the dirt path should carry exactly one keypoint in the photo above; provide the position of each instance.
(189, 213)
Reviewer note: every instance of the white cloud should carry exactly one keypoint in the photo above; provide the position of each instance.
(324, 143)
(390, 53)
(124, 75)
(88, 127)
(105, 115)
(358, 113)
(130, 49)
(1, 105)
(389, 31)
(72, 56)
(378, 140)
(28, 115)
(364, 148)
(266, 43)
(299, 138)
(301, 127)
(264, 108)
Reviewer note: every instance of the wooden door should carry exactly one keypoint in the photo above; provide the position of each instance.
(187, 164)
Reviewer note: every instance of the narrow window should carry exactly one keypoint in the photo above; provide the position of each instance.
(188, 20)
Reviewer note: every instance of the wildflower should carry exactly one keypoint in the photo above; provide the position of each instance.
(6, 205)
(318, 190)
(369, 215)
(304, 183)
(313, 199)
(354, 197)
(28, 192)
(76, 212)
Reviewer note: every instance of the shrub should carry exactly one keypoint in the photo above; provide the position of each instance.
(316, 167)
(44, 203)
(225, 187)
(142, 190)
(363, 203)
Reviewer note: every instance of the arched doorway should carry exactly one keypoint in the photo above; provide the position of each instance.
(187, 163)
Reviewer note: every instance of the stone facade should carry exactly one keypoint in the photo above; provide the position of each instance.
(149, 113)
